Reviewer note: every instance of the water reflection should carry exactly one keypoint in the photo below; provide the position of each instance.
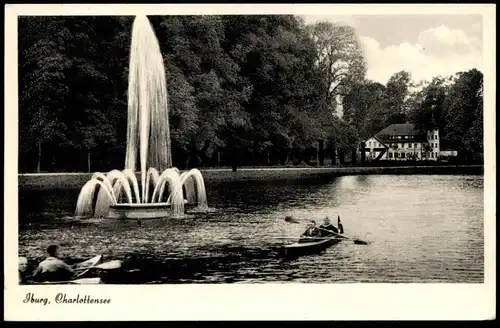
(420, 228)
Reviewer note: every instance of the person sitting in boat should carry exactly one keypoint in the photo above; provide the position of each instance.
(23, 265)
(52, 268)
(326, 227)
(312, 230)
(330, 227)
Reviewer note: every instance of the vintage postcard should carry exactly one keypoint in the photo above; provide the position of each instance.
(233, 162)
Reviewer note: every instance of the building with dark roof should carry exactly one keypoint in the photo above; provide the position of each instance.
(404, 141)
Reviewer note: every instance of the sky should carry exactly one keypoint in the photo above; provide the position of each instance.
(425, 45)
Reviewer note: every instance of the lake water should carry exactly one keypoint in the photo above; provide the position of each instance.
(420, 228)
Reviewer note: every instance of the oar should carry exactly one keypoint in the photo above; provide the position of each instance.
(111, 265)
(356, 241)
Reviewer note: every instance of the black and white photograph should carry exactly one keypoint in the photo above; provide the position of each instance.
(232, 148)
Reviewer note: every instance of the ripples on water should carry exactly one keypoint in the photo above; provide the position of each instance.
(420, 229)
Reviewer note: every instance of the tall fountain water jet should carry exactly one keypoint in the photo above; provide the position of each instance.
(148, 129)
(148, 144)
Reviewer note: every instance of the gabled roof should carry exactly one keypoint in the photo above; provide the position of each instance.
(406, 129)
(379, 140)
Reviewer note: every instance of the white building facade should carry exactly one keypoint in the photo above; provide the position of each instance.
(403, 142)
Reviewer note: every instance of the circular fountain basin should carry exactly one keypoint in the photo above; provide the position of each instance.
(140, 211)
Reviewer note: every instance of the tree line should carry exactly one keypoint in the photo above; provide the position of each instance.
(243, 82)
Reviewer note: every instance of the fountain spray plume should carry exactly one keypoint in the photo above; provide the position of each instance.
(148, 142)
(148, 128)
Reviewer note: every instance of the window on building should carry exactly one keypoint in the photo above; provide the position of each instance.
(409, 145)
(389, 155)
(416, 145)
(403, 155)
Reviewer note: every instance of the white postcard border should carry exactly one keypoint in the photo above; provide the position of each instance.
(251, 301)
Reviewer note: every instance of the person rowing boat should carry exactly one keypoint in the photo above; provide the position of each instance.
(53, 268)
(326, 227)
(311, 231)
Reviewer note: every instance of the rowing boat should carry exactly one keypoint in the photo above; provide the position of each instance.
(308, 246)
(77, 277)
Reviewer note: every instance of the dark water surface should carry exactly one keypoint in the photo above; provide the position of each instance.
(420, 228)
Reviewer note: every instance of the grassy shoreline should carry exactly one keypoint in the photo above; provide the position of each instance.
(40, 181)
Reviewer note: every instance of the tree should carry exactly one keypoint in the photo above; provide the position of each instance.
(397, 92)
(276, 55)
(339, 58)
(464, 114)
(206, 92)
(428, 111)
(43, 88)
(365, 108)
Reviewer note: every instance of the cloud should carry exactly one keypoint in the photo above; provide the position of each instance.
(440, 51)
(443, 41)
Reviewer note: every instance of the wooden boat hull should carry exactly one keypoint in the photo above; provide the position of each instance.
(82, 281)
(308, 247)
